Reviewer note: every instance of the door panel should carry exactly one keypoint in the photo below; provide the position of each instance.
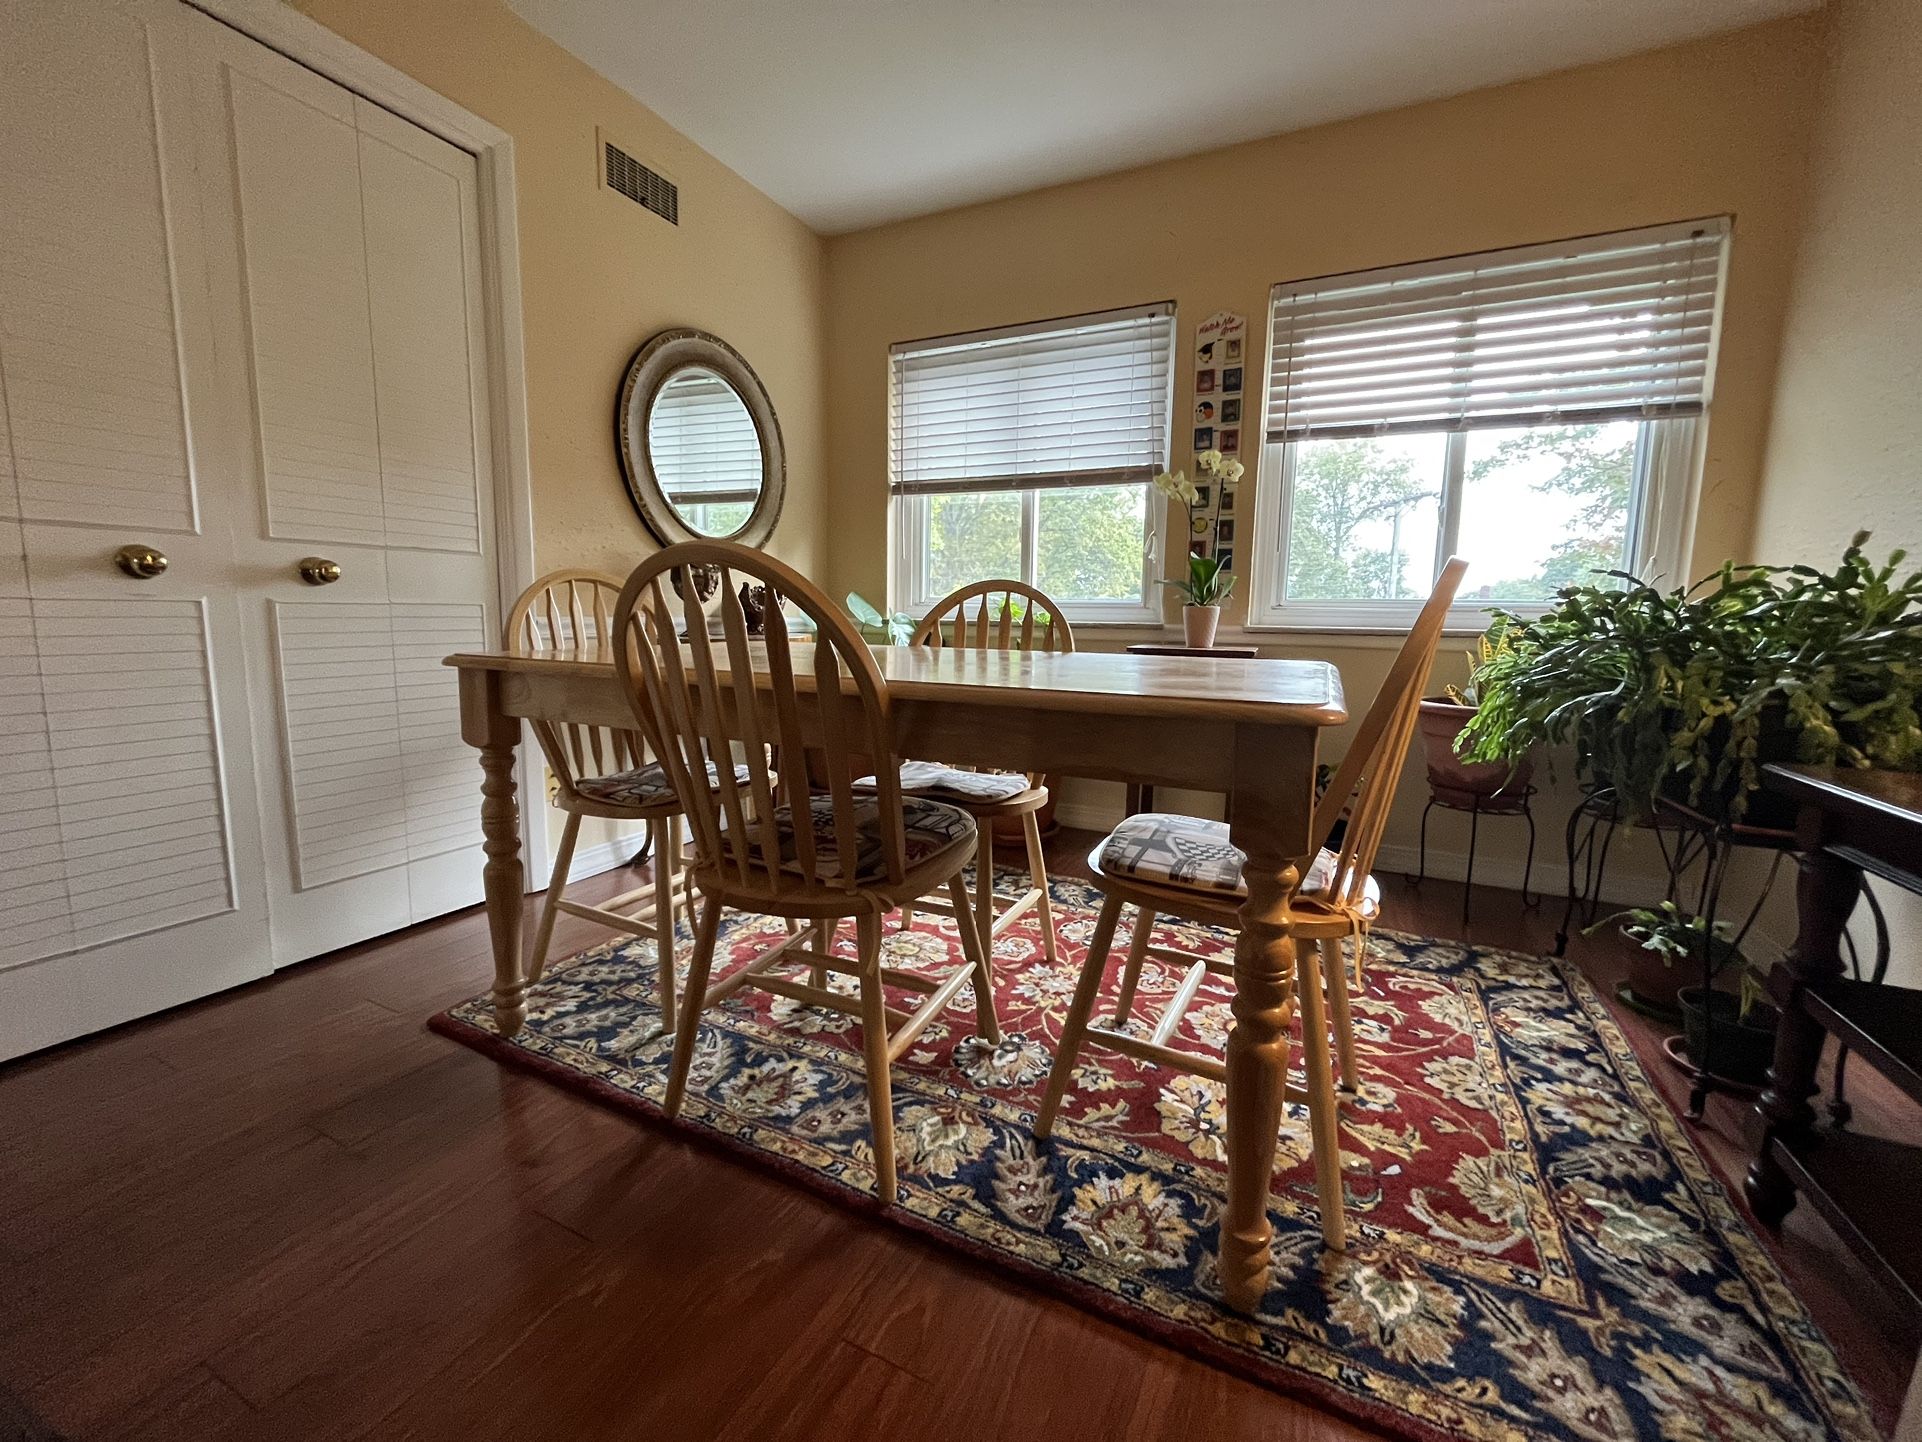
(419, 204)
(96, 418)
(130, 861)
(304, 274)
(373, 822)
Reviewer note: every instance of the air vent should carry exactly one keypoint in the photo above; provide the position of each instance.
(641, 185)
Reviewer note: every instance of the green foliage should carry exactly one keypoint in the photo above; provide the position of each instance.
(1339, 487)
(1671, 935)
(1207, 584)
(896, 628)
(1088, 541)
(1692, 685)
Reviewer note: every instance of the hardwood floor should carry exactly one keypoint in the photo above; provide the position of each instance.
(292, 1212)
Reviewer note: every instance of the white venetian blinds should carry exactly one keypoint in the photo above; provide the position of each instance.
(1607, 327)
(1076, 402)
(702, 440)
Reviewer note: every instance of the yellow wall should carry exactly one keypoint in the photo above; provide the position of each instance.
(1712, 127)
(1845, 446)
(599, 274)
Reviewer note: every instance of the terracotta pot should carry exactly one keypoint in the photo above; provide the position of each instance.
(1462, 781)
(1199, 622)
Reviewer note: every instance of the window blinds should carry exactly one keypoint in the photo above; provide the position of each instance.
(1076, 402)
(1607, 327)
(702, 441)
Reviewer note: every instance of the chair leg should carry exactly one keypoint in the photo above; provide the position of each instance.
(1076, 1026)
(980, 958)
(692, 1002)
(874, 1035)
(983, 888)
(1038, 874)
(1337, 980)
(664, 832)
(907, 918)
(1131, 973)
(551, 904)
(1323, 1120)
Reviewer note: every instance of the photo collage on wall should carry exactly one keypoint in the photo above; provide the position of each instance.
(1220, 342)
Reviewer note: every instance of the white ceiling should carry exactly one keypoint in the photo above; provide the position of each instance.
(855, 112)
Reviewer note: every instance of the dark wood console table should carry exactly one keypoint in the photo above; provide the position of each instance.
(1869, 1189)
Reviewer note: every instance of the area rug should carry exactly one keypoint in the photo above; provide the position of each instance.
(1536, 1247)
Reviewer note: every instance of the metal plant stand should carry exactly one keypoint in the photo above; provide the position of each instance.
(1586, 842)
(1477, 805)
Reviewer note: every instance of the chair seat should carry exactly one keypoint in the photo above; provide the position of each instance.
(644, 785)
(928, 827)
(1194, 854)
(951, 783)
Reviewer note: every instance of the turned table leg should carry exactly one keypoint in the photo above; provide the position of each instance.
(1826, 890)
(1274, 794)
(496, 735)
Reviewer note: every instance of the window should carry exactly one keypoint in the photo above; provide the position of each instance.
(1530, 410)
(1028, 452)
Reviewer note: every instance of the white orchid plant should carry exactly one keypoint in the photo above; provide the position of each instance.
(1206, 583)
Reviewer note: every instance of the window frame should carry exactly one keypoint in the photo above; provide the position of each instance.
(908, 583)
(1660, 533)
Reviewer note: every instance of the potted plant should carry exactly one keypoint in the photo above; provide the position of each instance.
(1689, 693)
(1441, 722)
(895, 628)
(1207, 584)
(1744, 1023)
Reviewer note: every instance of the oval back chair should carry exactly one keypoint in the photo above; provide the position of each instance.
(1185, 867)
(994, 615)
(762, 841)
(597, 771)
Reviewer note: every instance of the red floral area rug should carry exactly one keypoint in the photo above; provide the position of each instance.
(1537, 1249)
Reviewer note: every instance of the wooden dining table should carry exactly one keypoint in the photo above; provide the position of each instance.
(1247, 729)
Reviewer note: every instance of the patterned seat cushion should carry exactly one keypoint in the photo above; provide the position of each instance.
(928, 825)
(950, 783)
(644, 785)
(1189, 852)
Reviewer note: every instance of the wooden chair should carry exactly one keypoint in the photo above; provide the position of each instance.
(764, 844)
(1186, 867)
(598, 772)
(990, 796)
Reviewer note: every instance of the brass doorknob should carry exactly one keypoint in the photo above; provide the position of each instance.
(318, 570)
(141, 562)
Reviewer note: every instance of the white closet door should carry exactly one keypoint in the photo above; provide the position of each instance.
(129, 851)
(356, 246)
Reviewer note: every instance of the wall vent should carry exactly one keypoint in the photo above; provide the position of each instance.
(644, 187)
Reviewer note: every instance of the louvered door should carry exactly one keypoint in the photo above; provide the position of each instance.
(357, 357)
(130, 875)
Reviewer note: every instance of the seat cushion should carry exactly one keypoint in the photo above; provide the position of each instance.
(644, 785)
(951, 783)
(928, 826)
(1189, 852)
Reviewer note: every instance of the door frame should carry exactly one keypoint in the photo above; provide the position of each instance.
(309, 43)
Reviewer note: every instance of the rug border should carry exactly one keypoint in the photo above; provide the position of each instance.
(1273, 1376)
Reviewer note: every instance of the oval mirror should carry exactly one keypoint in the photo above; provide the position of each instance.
(700, 446)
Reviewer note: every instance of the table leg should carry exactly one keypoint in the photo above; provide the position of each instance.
(1825, 893)
(487, 727)
(1273, 797)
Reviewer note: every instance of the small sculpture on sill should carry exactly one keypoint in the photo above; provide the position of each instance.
(760, 608)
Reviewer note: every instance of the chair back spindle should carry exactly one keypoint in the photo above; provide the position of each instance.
(1364, 783)
(733, 700)
(572, 611)
(994, 626)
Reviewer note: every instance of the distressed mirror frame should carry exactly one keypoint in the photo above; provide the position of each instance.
(647, 372)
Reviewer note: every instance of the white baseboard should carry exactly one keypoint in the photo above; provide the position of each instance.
(605, 856)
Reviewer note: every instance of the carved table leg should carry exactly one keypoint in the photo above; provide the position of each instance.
(486, 726)
(1825, 893)
(1272, 798)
